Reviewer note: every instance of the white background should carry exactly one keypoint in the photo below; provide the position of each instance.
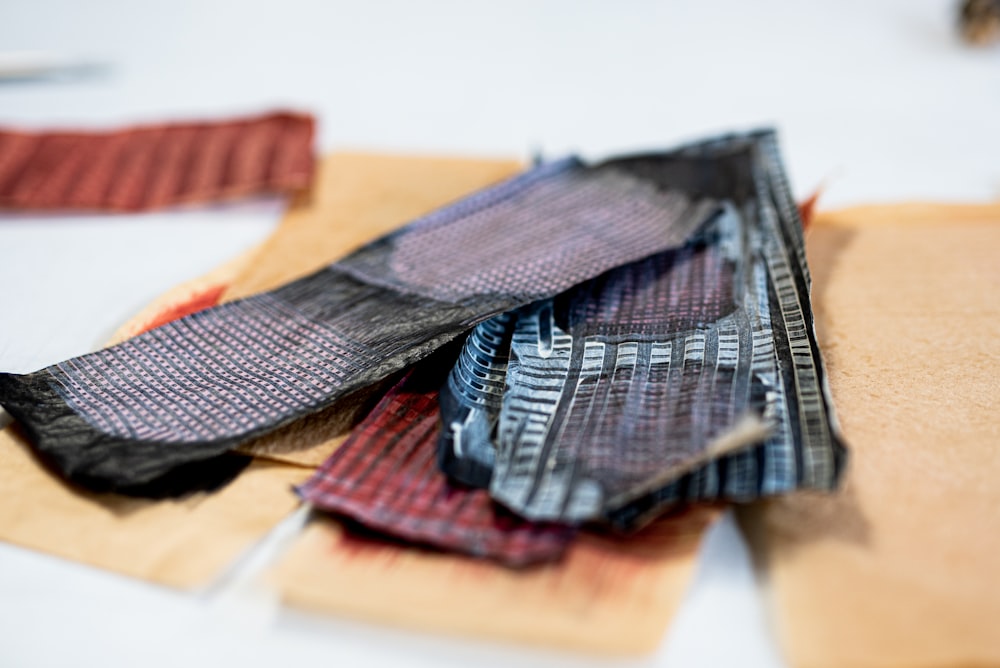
(878, 100)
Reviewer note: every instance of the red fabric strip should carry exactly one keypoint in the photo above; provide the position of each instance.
(385, 476)
(151, 167)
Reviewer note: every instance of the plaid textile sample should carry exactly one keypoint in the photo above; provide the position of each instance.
(646, 387)
(384, 476)
(197, 387)
(154, 166)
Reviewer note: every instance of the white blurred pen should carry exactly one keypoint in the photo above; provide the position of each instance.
(28, 65)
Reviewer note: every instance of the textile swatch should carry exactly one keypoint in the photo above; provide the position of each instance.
(385, 477)
(647, 386)
(155, 166)
(200, 386)
(355, 198)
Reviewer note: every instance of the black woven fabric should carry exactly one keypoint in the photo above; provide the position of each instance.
(195, 388)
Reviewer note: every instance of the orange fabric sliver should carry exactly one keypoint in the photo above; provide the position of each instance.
(199, 301)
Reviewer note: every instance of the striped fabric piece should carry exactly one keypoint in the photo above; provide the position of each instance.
(385, 477)
(470, 406)
(692, 375)
(156, 166)
(471, 399)
(629, 381)
(209, 382)
(805, 449)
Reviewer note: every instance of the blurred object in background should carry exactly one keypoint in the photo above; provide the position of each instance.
(47, 65)
(979, 21)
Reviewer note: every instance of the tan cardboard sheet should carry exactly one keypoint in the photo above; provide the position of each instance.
(186, 543)
(902, 568)
(180, 543)
(606, 596)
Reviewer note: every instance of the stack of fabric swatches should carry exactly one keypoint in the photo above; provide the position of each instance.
(583, 347)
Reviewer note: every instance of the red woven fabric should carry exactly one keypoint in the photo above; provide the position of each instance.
(385, 477)
(155, 166)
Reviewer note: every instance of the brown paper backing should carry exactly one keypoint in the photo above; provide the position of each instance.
(175, 543)
(186, 543)
(606, 596)
(902, 567)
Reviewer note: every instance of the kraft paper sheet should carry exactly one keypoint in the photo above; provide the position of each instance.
(606, 596)
(901, 567)
(186, 543)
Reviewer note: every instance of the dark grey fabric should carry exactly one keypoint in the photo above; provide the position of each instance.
(624, 396)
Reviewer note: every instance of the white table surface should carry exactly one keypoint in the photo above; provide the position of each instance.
(878, 100)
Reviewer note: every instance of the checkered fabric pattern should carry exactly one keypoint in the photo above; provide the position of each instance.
(386, 478)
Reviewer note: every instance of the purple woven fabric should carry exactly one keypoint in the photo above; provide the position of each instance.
(197, 387)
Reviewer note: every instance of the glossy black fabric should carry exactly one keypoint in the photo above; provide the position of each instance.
(195, 388)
